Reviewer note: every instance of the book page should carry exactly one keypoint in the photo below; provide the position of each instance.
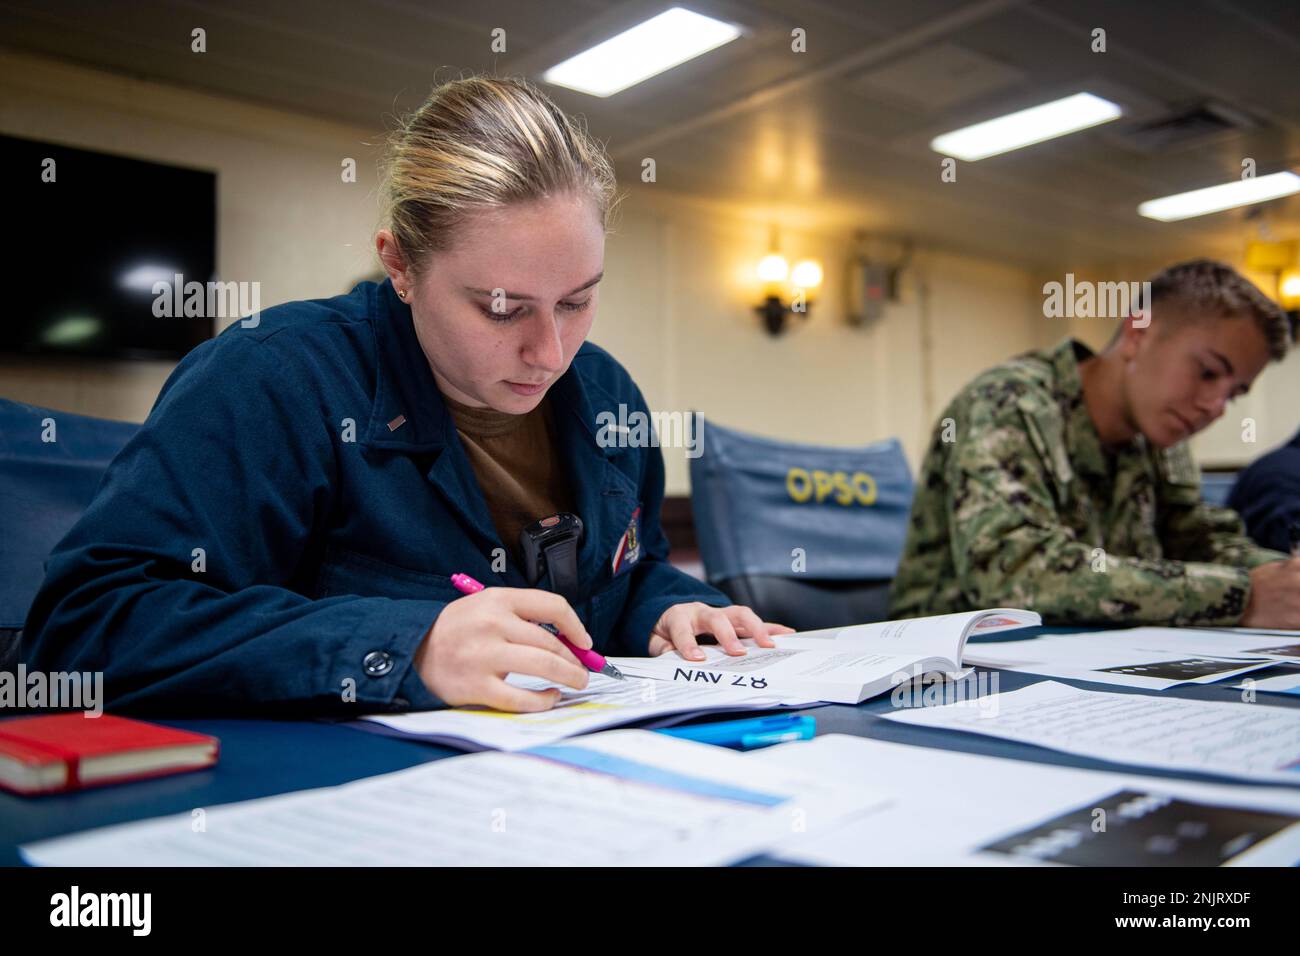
(940, 636)
(839, 672)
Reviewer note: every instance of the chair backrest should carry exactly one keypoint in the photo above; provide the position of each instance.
(50, 465)
(808, 535)
(1215, 486)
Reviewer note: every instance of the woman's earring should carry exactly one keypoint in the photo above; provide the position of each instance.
(402, 293)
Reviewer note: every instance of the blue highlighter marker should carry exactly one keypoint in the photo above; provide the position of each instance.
(748, 734)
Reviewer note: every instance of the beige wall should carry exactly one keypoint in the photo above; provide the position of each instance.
(678, 311)
(676, 306)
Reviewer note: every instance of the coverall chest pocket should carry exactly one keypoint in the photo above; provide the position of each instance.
(606, 608)
(344, 571)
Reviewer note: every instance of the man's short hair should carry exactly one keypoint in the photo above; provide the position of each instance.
(1203, 287)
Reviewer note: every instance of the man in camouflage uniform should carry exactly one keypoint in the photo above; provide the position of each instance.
(1061, 481)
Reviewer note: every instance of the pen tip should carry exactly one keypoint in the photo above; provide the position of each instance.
(609, 670)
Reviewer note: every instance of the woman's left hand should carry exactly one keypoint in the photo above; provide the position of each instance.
(680, 624)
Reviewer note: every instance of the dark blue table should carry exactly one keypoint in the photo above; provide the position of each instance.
(260, 758)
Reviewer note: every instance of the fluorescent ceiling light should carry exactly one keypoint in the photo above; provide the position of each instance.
(1034, 125)
(1239, 192)
(658, 44)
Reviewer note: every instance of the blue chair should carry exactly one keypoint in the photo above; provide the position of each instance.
(807, 535)
(1215, 486)
(44, 487)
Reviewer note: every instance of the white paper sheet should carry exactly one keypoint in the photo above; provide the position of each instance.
(1154, 655)
(1282, 632)
(1224, 642)
(1255, 741)
(626, 797)
(947, 805)
(1287, 683)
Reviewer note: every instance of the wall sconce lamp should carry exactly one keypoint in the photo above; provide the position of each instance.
(786, 290)
(1282, 259)
(1289, 289)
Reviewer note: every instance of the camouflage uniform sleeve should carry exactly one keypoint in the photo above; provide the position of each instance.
(1011, 548)
(1191, 528)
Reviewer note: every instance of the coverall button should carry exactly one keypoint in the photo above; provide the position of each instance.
(377, 663)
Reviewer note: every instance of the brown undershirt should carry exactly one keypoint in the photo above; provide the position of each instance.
(517, 463)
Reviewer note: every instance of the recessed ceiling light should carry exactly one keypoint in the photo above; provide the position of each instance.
(658, 44)
(1239, 192)
(1026, 127)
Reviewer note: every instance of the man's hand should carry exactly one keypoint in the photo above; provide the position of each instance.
(1274, 595)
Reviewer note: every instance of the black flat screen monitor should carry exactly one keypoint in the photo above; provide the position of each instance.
(87, 246)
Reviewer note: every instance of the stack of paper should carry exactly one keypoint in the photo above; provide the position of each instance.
(1253, 741)
(963, 809)
(1151, 657)
(1279, 680)
(624, 797)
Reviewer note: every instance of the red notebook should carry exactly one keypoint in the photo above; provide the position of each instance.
(70, 751)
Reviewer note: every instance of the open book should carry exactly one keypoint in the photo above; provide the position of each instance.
(605, 703)
(843, 665)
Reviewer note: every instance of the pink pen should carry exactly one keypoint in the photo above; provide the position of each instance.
(589, 659)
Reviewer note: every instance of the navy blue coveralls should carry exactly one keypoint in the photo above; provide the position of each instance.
(1267, 496)
(324, 559)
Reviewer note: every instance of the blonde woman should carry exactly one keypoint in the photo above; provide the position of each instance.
(281, 534)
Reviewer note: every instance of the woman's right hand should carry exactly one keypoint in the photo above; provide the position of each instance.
(480, 638)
